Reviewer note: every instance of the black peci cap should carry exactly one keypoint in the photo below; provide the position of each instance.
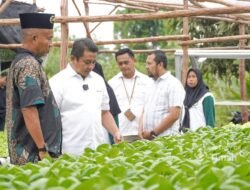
(36, 20)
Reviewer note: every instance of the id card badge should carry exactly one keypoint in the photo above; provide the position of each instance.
(129, 114)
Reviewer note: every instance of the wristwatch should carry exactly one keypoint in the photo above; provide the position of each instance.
(153, 134)
(43, 149)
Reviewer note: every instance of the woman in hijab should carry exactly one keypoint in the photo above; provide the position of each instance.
(199, 103)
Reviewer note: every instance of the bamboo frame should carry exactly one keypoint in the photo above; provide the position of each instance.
(64, 35)
(173, 10)
(242, 71)
(185, 46)
(143, 16)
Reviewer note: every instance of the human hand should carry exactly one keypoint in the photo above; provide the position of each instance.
(147, 135)
(140, 132)
(2, 81)
(43, 154)
(117, 137)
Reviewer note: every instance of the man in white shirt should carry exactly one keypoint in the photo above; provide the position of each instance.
(83, 101)
(130, 87)
(164, 100)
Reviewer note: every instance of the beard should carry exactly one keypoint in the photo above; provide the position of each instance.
(150, 75)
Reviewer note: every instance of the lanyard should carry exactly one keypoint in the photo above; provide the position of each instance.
(133, 89)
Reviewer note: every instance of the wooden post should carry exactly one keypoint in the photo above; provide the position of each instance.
(185, 59)
(242, 71)
(86, 24)
(64, 35)
(5, 5)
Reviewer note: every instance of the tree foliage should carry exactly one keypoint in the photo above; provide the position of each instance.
(198, 29)
(204, 28)
(140, 29)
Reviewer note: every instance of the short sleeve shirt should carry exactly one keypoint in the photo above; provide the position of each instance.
(81, 109)
(27, 85)
(165, 92)
(130, 94)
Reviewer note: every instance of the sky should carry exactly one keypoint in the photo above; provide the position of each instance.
(102, 33)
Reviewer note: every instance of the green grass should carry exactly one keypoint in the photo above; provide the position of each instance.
(3, 144)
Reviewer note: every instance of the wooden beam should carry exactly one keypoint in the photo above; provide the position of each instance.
(224, 18)
(98, 24)
(139, 51)
(64, 35)
(158, 15)
(123, 41)
(185, 46)
(142, 16)
(86, 24)
(10, 46)
(143, 40)
(242, 75)
(5, 5)
(216, 39)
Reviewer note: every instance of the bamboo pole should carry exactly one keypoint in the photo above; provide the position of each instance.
(224, 18)
(10, 46)
(99, 23)
(58, 44)
(79, 13)
(185, 46)
(158, 15)
(242, 71)
(143, 40)
(123, 41)
(216, 39)
(222, 48)
(228, 4)
(139, 51)
(86, 24)
(195, 3)
(64, 35)
(5, 5)
(142, 16)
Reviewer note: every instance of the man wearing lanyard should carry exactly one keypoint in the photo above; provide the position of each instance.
(129, 86)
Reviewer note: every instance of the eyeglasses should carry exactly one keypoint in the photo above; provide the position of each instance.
(85, 87)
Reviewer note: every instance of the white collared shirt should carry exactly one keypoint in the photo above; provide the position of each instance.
(80, 109)
(166, 92)
(142, 83)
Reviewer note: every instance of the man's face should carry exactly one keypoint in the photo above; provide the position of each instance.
(151, 66)
(84, 64)
(126, 65)
(43, 41)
